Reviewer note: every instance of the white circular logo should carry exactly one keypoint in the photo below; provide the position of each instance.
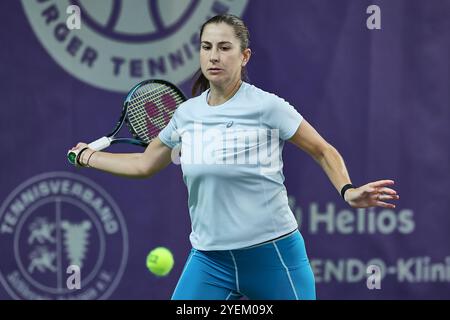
(55, 221)
(120, 43)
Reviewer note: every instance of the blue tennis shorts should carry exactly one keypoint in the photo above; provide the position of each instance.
(274, 270)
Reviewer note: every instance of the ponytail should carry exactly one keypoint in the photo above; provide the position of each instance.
(201, 83)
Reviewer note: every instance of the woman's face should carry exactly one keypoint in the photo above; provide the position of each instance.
(221, 58)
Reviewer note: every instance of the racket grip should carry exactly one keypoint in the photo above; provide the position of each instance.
(100, 144)
(96, 145)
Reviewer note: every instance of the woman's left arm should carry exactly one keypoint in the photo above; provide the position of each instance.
(369, 195)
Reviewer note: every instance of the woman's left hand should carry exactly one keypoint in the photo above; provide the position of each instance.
(373, 194)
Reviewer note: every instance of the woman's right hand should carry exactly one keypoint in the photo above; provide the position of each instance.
(132, 165)
(82, 160)
(79, 146)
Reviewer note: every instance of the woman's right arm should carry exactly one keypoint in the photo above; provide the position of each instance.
(131, 165)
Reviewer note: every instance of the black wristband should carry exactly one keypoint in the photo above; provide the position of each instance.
(79, 156)
(345, 188)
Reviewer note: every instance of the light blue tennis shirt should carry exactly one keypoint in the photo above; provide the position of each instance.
(232, 167)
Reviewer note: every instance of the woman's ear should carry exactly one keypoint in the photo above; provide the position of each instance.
(246, 56)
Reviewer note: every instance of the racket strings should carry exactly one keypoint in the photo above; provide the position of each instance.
(151, 109)
(151, 124)
(140, 93)
(143, 95)
(141, 110)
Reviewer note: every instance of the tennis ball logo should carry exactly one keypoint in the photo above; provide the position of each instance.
(121, 43)
(137, 21)
(160, 261)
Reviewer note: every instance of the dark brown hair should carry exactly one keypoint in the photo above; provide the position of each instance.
(241, 32)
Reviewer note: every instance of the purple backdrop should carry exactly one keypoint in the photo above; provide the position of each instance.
(381, 97)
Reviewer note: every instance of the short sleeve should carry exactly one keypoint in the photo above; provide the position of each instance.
(279, 114)
(169, 135)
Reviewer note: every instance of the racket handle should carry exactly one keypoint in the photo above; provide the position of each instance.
(100, 144)
(96, 145)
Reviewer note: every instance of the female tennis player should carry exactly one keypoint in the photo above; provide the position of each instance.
(245, 239)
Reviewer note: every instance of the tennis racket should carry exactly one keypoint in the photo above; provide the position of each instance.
(147, 109)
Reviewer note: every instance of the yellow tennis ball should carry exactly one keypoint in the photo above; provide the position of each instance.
(160, 261)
